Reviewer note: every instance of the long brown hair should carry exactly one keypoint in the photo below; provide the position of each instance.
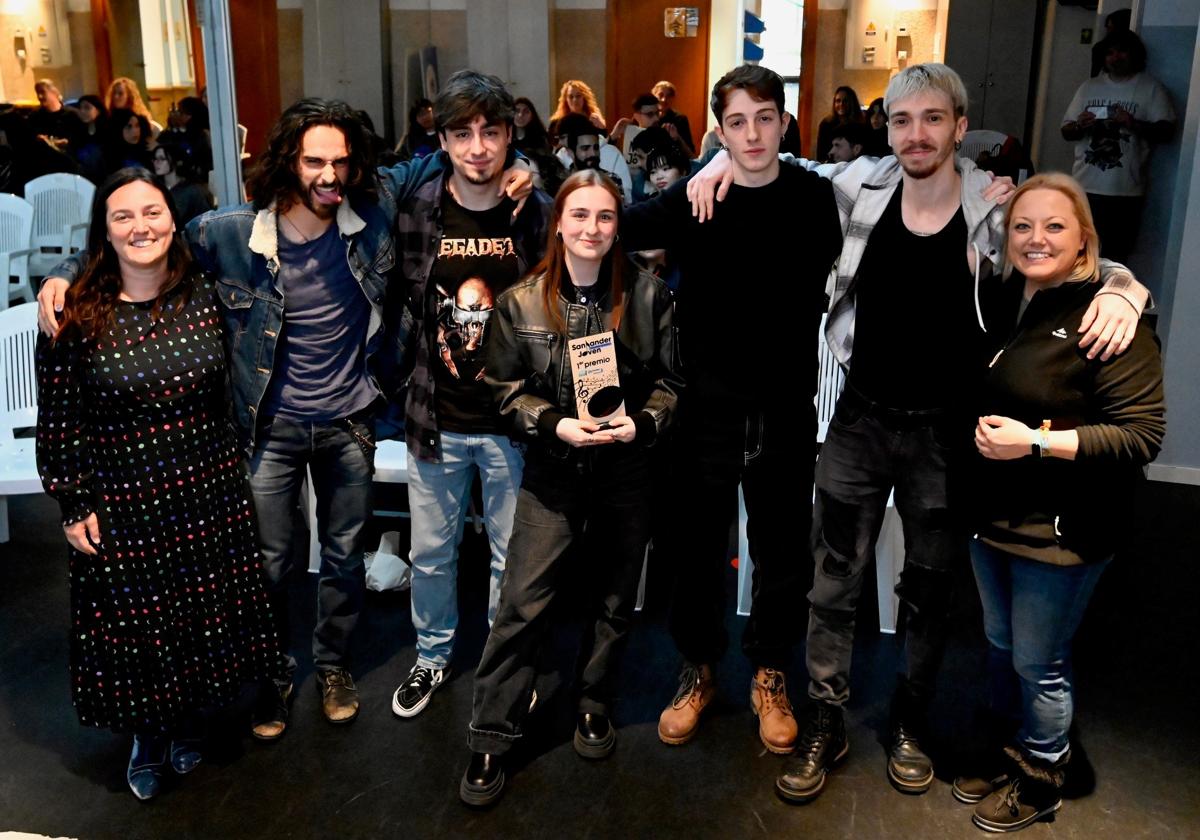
(89, 303)
(554, 263)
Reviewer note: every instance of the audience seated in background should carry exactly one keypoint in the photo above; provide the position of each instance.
(124, 93)
(675, 123)
(845, 109)
(127, 143)
(576, 98)
(174, 164)
(55, 123)
(90, 151)
(582, 149)
(847, 143)
(645, 115)
(876, 144)
(531, 139)
(420, 139)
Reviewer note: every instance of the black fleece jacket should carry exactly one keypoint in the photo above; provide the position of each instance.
(1051, 509)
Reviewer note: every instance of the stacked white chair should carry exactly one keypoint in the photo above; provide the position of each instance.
(16, 247)
(62, 205)
(18, 406)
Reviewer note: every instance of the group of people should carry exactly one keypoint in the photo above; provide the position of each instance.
(452, 287)
(97, 136)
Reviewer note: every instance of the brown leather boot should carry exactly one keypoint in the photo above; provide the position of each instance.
(776, 723)
(677, 724)
(339, 695)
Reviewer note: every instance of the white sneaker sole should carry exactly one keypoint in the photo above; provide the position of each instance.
(400, 711)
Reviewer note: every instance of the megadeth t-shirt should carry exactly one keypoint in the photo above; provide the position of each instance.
(476, 261)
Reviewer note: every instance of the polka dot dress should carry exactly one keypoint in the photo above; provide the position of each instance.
(171, 615)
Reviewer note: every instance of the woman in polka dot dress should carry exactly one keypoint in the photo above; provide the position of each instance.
(168, 607)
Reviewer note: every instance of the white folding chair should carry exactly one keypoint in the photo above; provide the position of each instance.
(16, 247)
(62, 204)
(889, 549)
(980, 140)
(18, 406)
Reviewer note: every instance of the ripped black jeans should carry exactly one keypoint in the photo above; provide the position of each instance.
(868, 451)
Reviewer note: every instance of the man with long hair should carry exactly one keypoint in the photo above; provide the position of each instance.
(463, 245)
(302, 274)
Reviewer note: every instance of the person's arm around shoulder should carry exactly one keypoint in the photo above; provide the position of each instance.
(1111, 321)
(660, 221)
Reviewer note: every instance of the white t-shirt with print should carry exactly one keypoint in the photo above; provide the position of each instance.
(1111, 160)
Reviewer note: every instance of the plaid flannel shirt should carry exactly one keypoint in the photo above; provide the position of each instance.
(418, 232)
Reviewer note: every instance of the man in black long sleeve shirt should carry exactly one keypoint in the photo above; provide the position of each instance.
(749, 305)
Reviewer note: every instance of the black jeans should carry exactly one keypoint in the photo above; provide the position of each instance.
(868, 451)
(771, 455)
(604, 498)
(340, 455)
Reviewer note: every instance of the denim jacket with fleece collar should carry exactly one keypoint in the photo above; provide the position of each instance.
(239, 248)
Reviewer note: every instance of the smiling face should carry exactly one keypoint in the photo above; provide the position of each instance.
(477, 151)
(1045, 238)
(751, 129)
(922, 129)
(589, 223)
(576, 101)
(139, 225)
(323, 168)
(841, 105)
(120, 97)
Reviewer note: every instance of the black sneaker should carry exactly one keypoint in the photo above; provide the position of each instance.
(411, 698)
(821, 747)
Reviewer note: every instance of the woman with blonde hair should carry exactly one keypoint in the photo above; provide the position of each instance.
(576, 97)
(1061, 442)
(124, 93)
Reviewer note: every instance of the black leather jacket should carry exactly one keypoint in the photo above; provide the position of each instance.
(529, 370)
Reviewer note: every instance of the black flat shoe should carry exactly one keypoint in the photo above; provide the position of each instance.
(594, 736)
(483, 782)
(146, 763)
(185, 755)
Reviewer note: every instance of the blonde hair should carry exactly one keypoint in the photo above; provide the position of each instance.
(133, 97)
(590, 106)
(665, 87)
(1087, 264)
(929, 76)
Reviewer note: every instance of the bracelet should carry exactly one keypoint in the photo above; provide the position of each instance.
(1044, 441)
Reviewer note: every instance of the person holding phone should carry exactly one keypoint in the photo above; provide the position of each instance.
(584, 481)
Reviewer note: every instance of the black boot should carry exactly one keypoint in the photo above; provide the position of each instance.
(909, 768)
(820, 747)
(1034, 791)
(483, 782)
(594, 736)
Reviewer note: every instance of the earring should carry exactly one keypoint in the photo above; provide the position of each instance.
(957, 145)
(617, 238)
(558, 233)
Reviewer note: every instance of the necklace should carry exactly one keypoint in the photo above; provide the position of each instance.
(300, 233)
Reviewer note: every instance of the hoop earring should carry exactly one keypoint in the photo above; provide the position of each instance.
(617, 238)
(558, 233)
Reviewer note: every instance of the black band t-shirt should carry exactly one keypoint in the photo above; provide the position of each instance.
(476, 261)
(914, 331)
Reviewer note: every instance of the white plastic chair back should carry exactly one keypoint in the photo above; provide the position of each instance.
(18, 378)
(16, 232)
(61, 206)
(975, 143)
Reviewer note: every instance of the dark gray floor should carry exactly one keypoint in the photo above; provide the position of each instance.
(1136, 773)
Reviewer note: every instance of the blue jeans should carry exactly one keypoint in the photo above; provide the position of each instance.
(1031, 611)
(340, 455)
(437, 498)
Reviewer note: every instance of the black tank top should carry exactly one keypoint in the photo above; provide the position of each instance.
(915, 329)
